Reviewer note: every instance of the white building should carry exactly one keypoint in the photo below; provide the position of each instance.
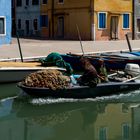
(137, 18)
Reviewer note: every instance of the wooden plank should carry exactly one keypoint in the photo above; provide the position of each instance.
(134, 78)
(19, 64)
(31, 68)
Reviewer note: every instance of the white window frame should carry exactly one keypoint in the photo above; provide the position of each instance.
(123, 21)
(4, 26)
(105, 22)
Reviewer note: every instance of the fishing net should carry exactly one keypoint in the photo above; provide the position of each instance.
(52, 79)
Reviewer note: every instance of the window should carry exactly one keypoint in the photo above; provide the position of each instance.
(35, 24)
(27, 2)
(2, 26)
(13, 3)
(35, 2)
(102, 20)
(60, 1)
(44, 1)
(138, 25)
(19, 23)
(125, 21)
(44, 21)
(19, 3)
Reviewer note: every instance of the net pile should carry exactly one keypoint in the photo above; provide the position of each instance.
(52, 79)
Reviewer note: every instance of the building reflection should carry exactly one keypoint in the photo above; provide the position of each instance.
(81, 120)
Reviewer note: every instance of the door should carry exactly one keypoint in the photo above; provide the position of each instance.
(60, 30)
(27, 27)
(114, 27)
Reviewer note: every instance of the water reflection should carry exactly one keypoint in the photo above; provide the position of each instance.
(103, 118)
(8, 90)
(69, 120)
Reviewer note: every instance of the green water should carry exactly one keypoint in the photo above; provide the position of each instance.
(104, 118)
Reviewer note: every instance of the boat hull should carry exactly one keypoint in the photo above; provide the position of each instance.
(111, 61)
(16, 74)
(103, 89)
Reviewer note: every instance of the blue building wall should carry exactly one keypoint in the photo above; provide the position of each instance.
(5, 10)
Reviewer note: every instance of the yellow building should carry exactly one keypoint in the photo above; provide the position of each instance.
(96, 19)
(112, 18)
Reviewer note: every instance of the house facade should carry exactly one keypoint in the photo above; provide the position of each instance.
(63, 17)
(28, 17)
(95, 19)
(5, 22)
(112, 19)
(137, 18)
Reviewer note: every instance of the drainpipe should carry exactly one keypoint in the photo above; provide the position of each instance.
(52, 15)
(133, 19)
(92, 26)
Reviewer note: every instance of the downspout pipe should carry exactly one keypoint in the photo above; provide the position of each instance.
(92, 29)
(52, 15)
(133, 19)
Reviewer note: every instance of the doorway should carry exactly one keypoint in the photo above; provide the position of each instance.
(60, 27)
(114, 27)
(27, 27)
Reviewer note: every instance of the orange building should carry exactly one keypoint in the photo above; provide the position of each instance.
(96, 19)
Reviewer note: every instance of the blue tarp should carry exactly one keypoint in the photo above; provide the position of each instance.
(135, 53)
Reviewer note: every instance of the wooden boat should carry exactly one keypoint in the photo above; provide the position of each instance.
(103, 89)
(17, 71)
(115, 61)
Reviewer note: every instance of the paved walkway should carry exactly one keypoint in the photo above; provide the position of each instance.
(31, 48)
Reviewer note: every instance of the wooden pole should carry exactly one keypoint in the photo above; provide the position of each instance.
(80, 38)
(133, 19)
(128, 42)
(21, 56)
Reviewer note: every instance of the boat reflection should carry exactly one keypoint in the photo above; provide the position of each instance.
(8, 90)
(77, 120)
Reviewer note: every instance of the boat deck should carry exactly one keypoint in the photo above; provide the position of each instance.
(20, 64)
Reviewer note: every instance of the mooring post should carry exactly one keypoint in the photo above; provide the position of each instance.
(19, 47)
(128, 42)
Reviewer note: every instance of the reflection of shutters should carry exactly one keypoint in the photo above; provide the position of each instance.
(103, 133)
(126, 131)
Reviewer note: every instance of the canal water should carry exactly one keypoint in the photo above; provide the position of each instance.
(23, 117)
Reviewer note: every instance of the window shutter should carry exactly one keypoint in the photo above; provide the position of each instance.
(40, 21)
(46, 20)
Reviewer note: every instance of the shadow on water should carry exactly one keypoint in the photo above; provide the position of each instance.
(8, 90)
(111, 117)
